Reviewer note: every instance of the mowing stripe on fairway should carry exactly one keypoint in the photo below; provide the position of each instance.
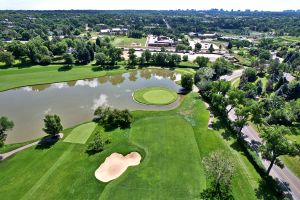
(43, 179)
(81, 133)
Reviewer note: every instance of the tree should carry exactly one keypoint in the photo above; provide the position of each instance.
(220, 47)
(219, 169)
(7, 58)
(185, 58)
(235, 97)
(52, 125)
(113, 118)
(211, 48)
(250, 73)
(83, 56)
(198, 46)
(59, 48)
(5, 125)
(114, 55)
(132, 58)
(101, 59)
(221, 67)
(201, 61)
(98, 41)
(187, 81)
(275, 144)
(269, 86)
(96, 145)
(147, 54)
(142, 59)
(251, 110)
(264, 54)
(18, 49)
(229, 46)
(69, 60)
(259, 87)
(37, 51)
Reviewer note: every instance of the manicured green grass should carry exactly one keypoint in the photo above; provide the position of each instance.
(172, 144)
(155, 96)
(14, 77)
(81, 133)
(188, 64)
(125, 41)
(235, 82)
(185, 71)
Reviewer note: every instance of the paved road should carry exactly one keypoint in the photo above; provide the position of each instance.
(10, 153)
(167, 24)
(287, 179)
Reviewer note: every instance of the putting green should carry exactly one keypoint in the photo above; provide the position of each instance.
(155, 96)
(81, 133)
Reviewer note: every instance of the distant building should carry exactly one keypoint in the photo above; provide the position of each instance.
(119, 31)
(208, 35)
(160, 41)
(105, 31)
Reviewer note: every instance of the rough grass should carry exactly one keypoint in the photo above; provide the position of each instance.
(124, 41)
(172, 144)
(155, 96)
(81, 133)
(293, 163)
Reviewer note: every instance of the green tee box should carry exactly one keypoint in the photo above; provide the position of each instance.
(81, 133)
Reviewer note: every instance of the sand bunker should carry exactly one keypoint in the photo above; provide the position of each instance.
(115, 165)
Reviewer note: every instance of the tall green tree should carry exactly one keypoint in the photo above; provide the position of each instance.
(219, 169)
(201, 61)
(132, 58)
(147, 54)
(275, 144)
(7, 58)
(52, 125)
(211, 49)
(5, 125)
(198, 47)
(69, 59)
(187, 81)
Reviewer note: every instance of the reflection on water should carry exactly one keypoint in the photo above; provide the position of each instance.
(75, 101)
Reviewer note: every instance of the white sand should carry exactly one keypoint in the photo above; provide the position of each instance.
(115, 165)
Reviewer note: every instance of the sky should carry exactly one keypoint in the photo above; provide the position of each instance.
(269, 5)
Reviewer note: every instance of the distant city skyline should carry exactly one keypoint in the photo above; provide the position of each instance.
(266, 5)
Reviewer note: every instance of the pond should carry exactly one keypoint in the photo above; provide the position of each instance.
(75, 101)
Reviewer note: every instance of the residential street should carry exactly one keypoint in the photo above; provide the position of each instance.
(288, 180)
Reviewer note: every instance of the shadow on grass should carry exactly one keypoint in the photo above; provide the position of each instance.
(65, 68)
(98, 68)
(47, 142)
(266, 186)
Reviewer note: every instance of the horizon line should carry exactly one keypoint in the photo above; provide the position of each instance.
(191, 9)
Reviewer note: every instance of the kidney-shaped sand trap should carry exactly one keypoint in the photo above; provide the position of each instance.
(115, 165)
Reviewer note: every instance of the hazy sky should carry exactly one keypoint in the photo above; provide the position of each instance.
(150, 4)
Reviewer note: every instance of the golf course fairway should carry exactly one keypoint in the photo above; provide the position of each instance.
(171, 166)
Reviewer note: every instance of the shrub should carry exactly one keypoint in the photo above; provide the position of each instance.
(96, 145)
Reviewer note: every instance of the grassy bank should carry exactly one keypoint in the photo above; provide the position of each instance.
(171, 166)
(15, 77)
